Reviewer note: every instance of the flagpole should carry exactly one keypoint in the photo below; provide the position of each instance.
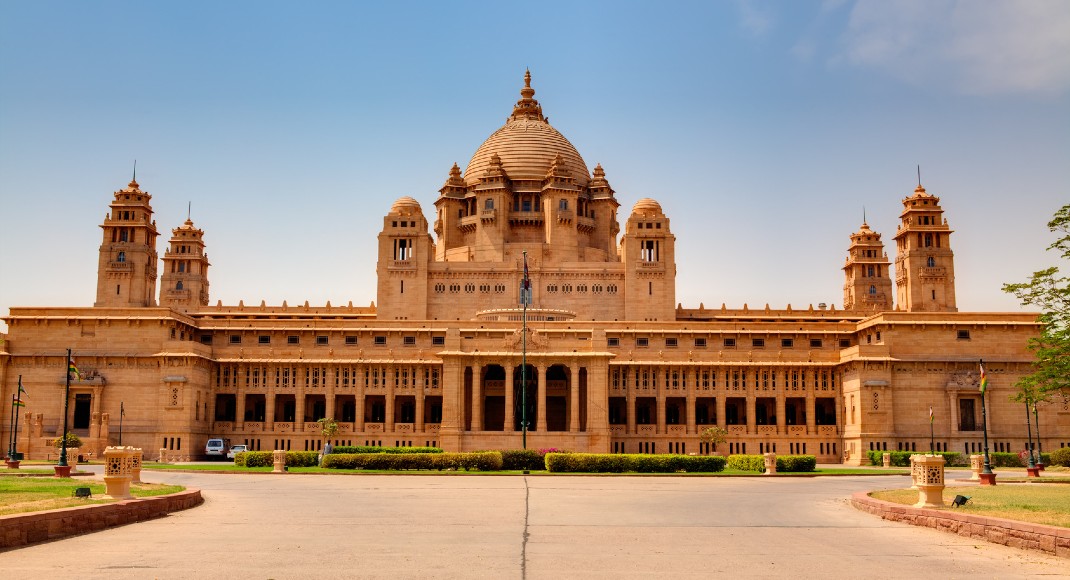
(932, 437)
(11, 436)
(122, 413)
(524, 358)
(66, 403)
(984, 420)
(15, 431)
(1040, 447)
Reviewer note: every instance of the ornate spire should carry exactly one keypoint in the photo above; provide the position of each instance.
(527, 107)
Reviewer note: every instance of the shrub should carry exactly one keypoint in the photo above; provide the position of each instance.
(1059, 457)
(482, 461)
(796, 463)
(620, 463)
(72, 441)
(746, 463)
(253, 459)
(301, 458)
(532, 459)
(902, 458)
(345, 449)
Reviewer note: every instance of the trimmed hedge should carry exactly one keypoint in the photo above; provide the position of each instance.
(346, 449)
(265, 459)
(530, 459)
(481, 461)
(902, 458)
(784, 463)
(1059, 457)
(621, 463)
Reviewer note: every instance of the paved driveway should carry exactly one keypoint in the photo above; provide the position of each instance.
(334, 526)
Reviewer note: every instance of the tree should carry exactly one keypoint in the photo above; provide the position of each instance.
(73, 441)
(328, 428)
(713, 436)
(1050, 292)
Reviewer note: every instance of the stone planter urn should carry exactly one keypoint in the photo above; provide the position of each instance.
(770, 463)
(118, 462)
(977, 462)
(135, 465)
(930, 480)
(886, 459)
(278, 460)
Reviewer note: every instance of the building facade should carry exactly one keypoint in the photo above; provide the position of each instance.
(609, 362)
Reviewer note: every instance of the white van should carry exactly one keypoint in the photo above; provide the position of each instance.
(215, 449)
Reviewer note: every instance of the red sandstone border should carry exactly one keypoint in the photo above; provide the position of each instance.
(1049, 539)
(19, 530)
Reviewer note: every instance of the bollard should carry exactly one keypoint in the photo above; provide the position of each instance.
(117, 462)
(278, 459)
(135, 465)
(770, 463)
(887, 459)
(914, 471)
(930, 480)
(977, 463)
(163, 455)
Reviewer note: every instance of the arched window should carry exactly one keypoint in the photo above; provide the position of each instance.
(872, 290)
(931, 262)
(178, 285)
(928, 240)
(871, 271)
(562, 204)
(181, 266)
(121, 257)
(489, 204)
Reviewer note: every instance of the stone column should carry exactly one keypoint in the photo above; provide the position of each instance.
(299, 399)
(811, 410)
(661, 377)
(420, 382)
(541, 411)
(574, 399)
(269, 405)
(781, 410)
(360, 375)
(329, 390)
(510, 417)
(629, 387)
(477, 396)
(721, 403)
(388, 418)
(239, 408)
(692, 393)
(752, 427)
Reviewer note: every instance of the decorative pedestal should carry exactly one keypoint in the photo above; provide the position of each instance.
(1040, 466)
(1032, 472)
(62, 470)
(770, 463)
(987, 478)
(163, 455)
(930, 479)
(135, 465)
(886, 459)
(12, 464)
(913, 472)
(977, 463)
(117, 464)
(278, 459)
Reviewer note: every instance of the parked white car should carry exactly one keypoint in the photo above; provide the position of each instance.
(236, 450)
(215, 449)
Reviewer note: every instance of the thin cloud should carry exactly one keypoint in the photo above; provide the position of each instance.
(755, 19)
(995, 47)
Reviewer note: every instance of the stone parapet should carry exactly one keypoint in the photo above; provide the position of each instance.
(1048, 539)
(23, 529)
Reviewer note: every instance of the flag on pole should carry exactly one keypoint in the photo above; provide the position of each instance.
(984, 380)
(21, 390)
(931, 414)
(17, 403)
(73, 369)
(527, 281)
(122, 410)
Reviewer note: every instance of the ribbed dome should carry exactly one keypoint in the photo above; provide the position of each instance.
(527, 144)
(647, 206)
(406, 206)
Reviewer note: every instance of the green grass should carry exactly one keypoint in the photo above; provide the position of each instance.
(1038, 504)
(30, 494)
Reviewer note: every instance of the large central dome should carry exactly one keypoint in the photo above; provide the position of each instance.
(527, 145)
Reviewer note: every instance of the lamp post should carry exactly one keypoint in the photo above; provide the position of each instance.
(987, 470)
(1029, 432)
(122, 413)
(66, 406)
(1040, 447)
(525, 299)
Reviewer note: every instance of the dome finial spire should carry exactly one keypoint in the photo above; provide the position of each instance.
(527, 107)
(527, 92)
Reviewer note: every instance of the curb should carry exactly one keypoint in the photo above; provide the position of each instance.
(1051, 540)
(18, 530)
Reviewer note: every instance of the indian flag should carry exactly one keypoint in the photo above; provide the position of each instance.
(984, 380)
(931, 414)
(73, 369)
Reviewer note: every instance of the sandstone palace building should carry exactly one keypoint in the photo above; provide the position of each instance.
(614, 364)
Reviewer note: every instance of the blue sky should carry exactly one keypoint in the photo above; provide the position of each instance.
(763, 128)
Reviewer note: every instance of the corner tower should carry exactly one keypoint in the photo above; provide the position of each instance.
(924, 262)
(126, 270)
(405, 250)
(184, 283)
(648, 250)
(868, 284)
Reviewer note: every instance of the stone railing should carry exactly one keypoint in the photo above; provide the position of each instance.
(827, 430)
(796, 429)
(373, 427)
(736, 429)
(677, 429)
(404, 428)
(617, 429)
(224, 426)
(284, 426)
(312, 427)
(646, 429)
(766, 429)
(431, 427)
(345, 427)
(253, 427)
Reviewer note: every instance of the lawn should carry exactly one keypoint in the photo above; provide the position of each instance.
(1038, 503)
(31, 494)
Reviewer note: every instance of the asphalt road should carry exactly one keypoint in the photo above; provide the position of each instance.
(373, 526)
